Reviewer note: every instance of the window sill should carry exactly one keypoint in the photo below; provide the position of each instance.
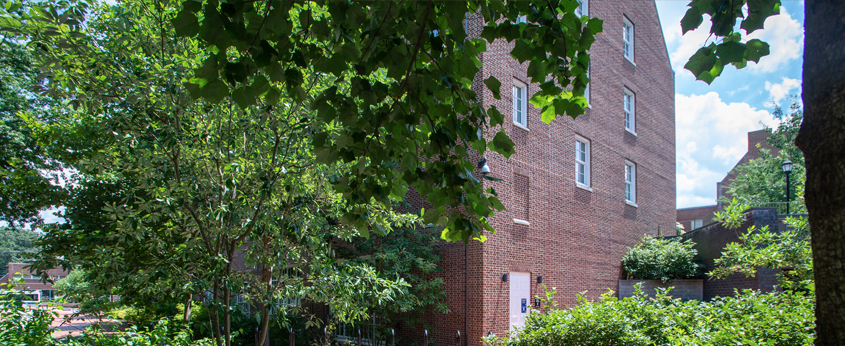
(631, 204)
(521, 222)
(630, 61)
(631, 132)
(521, 126)
(584, 187)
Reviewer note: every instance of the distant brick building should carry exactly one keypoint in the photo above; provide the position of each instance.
(696, 217)
(578, 192)
(32, 281)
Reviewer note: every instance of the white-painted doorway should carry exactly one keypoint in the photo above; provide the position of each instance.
(520, 298)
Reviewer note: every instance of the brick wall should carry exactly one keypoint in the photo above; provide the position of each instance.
(681, 288)
(685, 216)
(754, 138)
(575, 238)
(711, 240)
(32, 284)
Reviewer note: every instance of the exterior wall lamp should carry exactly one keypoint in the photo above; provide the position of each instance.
(485, 169)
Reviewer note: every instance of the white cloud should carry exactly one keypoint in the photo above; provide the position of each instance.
(780, 90)
(732, 92)
(711, 138)
(785, 36)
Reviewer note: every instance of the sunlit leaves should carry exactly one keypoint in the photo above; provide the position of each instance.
(708, 62)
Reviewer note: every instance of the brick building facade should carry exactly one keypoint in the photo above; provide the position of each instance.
(32, 282)
(578, 192)
(695, 217)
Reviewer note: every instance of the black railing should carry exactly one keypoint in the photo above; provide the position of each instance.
(390, 341)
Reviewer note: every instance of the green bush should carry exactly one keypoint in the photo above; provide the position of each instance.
(662, 259)
(750, 318)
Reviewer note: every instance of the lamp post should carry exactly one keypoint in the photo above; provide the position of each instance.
(787, 169)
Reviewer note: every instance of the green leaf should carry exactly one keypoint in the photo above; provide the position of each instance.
(215, 91)
(522, 51)
(185, 23)
(502, 144)
(729, 52)
(703, 60)
(756, 50)
(691, 20)
(493, 84)
(192, 5)
(758, 11)
(243, 97)
(548, 114)
(496, 117)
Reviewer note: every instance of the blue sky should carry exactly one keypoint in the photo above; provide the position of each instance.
(712, 120)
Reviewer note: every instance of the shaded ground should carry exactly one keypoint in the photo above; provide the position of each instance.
(64, 325)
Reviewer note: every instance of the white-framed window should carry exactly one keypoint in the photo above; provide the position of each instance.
(697, 223)
(520, 104)
(587, 90)
(628, 39)
(522, 19)
(630, 183)
(629, 103)
(583, 8)
(582, 162)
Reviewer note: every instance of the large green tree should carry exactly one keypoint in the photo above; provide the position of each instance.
(820, 138)
(761, 181)
(26, 184)
(15, 246)
(177, 196)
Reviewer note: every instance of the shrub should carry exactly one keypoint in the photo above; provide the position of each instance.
(662, 259)
(750, 318)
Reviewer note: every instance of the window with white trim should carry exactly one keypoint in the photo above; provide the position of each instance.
(583, 8)
(630, 182)
(697, 223)
(520, 104)
(582, 162)
(628, 39)
(630, 116)
(587, 90)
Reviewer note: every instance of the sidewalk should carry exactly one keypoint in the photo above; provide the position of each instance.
(75, 326)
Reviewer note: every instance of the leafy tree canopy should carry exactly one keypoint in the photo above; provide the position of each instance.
(25, 187)
(762, 180)
(15, 246)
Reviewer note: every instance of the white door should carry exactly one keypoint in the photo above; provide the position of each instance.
(520, 293)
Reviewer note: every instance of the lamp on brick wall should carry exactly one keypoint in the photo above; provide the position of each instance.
(485, 169)
(787, 169)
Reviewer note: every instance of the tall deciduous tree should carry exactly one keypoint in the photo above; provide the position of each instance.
(762, 180)
(25, 188)
(821, 137)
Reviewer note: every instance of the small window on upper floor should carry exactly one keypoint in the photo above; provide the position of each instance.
(522, 19)
(630, 183)
(628, 39)
(697, 223)
(583, 8)
(582, 162)
(630, 107)
(520, 104)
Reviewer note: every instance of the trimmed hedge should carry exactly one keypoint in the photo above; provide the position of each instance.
(750, 318)
(662, 259)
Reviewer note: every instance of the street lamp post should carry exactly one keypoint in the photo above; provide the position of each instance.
(787, 169)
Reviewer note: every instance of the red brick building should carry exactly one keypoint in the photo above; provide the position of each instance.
(696, 217)
(32, 281)
(578, 192)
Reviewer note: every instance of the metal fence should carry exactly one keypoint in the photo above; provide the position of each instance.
(795, 207)
(390, 341)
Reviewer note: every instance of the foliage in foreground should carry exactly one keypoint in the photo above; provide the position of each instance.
(750, 318)
(662, 259)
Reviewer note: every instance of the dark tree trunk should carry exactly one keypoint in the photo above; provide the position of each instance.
(822, 139)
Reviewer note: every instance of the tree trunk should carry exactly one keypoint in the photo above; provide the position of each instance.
(264, 328)
(822, 139)
(188, 303)
(216, 322)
